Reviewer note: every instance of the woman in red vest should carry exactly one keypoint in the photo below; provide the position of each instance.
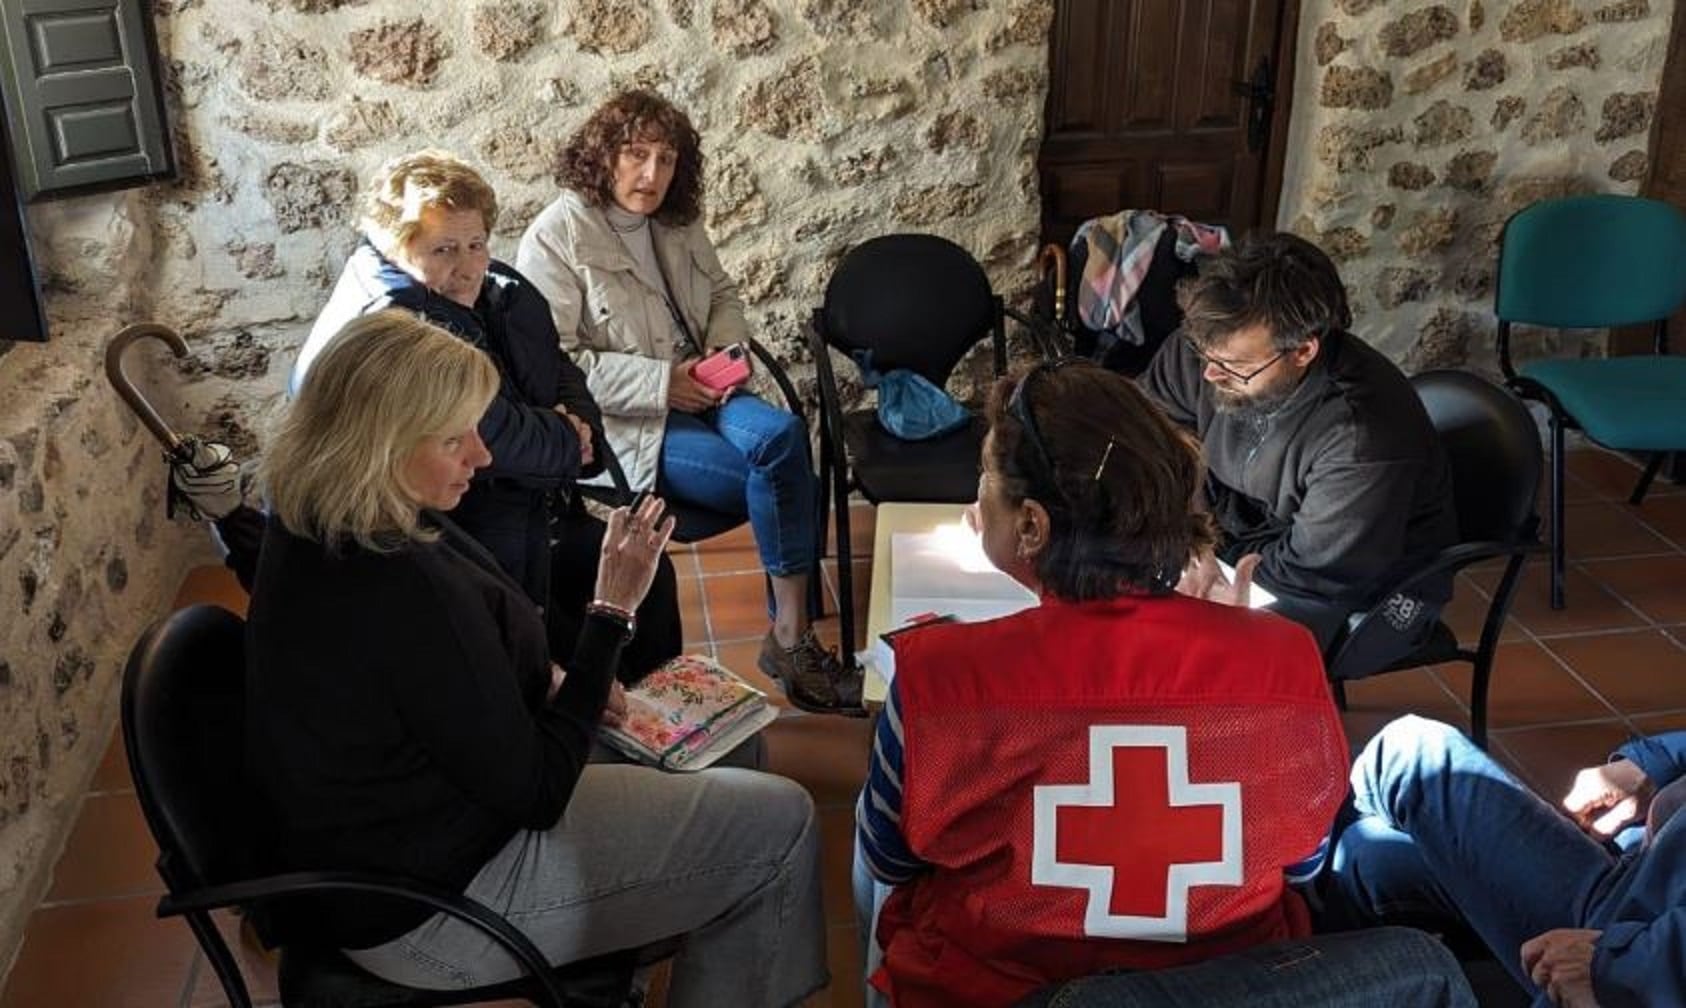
(1123, 776)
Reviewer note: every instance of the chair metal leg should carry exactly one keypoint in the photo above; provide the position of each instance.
(1558, 529)
(1652, 467)
(222, 960)
(845, 565)
(1337, 688)
(1478, 701)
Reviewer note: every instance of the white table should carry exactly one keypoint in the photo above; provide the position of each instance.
(893, 518)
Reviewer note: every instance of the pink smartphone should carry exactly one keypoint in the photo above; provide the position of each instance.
(724, 369)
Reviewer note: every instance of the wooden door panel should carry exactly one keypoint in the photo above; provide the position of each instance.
(1144, 112)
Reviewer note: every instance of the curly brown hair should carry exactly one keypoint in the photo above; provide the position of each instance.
(588, 160)
(1117, 478)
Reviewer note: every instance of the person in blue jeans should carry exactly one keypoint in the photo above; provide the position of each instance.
(1444, 833)
(639, 298)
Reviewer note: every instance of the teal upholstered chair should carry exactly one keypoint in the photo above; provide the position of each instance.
(1586, 262)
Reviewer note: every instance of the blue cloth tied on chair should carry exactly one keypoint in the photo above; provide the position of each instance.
(909, 406)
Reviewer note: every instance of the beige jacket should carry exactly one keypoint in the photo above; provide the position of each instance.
(616, 327)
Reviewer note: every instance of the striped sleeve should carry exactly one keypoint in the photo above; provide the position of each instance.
(878, 814)
(1306, 869)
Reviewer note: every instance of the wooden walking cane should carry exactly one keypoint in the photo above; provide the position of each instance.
(176, 447)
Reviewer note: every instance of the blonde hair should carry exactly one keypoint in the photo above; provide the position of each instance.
(381, 385)
(408, 184)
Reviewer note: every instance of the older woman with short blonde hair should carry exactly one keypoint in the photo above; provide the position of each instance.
(426, 219)
(403, 714)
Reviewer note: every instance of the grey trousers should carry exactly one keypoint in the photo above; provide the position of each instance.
(728, 857)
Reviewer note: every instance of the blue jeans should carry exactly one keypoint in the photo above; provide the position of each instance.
(747, 458)
(1398, 967)
(1444, 834)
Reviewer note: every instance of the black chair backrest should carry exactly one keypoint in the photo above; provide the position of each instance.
(916, 301)
(184, 730)
(1493, 449)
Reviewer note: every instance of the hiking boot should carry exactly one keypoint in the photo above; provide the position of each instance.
(812, 677)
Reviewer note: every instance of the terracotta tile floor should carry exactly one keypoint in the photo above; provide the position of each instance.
(1569, 685)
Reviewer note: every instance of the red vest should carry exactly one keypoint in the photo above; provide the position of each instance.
(1103, 785)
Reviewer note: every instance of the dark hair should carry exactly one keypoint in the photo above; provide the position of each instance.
(588, 160)
(1278, 279)
(1117, 479)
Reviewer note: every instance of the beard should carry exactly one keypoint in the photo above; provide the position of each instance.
(1254, 405)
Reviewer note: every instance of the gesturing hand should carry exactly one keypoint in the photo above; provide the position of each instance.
(1605, 798)
(632, 547)
(686, 394)
(1204, 578)
(1560, 964)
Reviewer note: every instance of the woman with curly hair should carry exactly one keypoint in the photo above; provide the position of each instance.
(639, 297)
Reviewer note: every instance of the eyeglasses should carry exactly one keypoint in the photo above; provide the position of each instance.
(1241, 376)
(1019, 407)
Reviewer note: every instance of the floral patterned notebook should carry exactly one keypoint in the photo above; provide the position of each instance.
(689, 713)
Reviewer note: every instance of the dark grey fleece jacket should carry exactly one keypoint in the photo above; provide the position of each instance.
(1341, 489)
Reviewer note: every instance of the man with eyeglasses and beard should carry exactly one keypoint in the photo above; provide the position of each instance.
(1319, 455)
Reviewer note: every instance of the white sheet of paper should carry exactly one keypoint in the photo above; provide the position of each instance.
(1258, 596)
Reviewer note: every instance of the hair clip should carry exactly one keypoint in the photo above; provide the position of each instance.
(1104, 456)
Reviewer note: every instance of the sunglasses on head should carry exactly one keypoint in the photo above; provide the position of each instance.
(1019, 407)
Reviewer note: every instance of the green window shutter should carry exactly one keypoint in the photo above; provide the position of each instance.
(82, 96)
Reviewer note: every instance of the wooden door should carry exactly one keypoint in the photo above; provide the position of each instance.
(1171, 105)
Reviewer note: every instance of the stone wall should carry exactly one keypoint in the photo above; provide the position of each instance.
(1420, 127)
(86, 555)
(825, 122)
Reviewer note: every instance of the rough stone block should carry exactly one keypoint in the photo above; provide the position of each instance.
(1470, 171)
(255, 262)
(1487, 70)
(1381, 216)
(960, 130)
(1623, 10)
(1506, 110)
(1445, 341)
(399, 52)
(1584, 54)
(1356, 88)
(308, 195)
(1433, 229)
(744, 27)
(611, 26)
(1558, 114)
(281, 68)
(363, 123)
(1395, 285)
(1009, 84)
(1353, 8)
(1352, 148)
(1528, 20)
(943, 13)
(928, 205)
(1626, 115)
(1028, 22)
(1630, 167)
(1410, 175)
(525, 154)
(843, 18)
(788, 104)
(1443, 123)
(1418, 30)
(1431, 73)
(504, 30)
(272, 128)
(1328, 43)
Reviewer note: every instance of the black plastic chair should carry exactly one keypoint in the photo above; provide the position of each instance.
(183, 714)
(910, 301)
(1493, 449)
(1055, 305)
